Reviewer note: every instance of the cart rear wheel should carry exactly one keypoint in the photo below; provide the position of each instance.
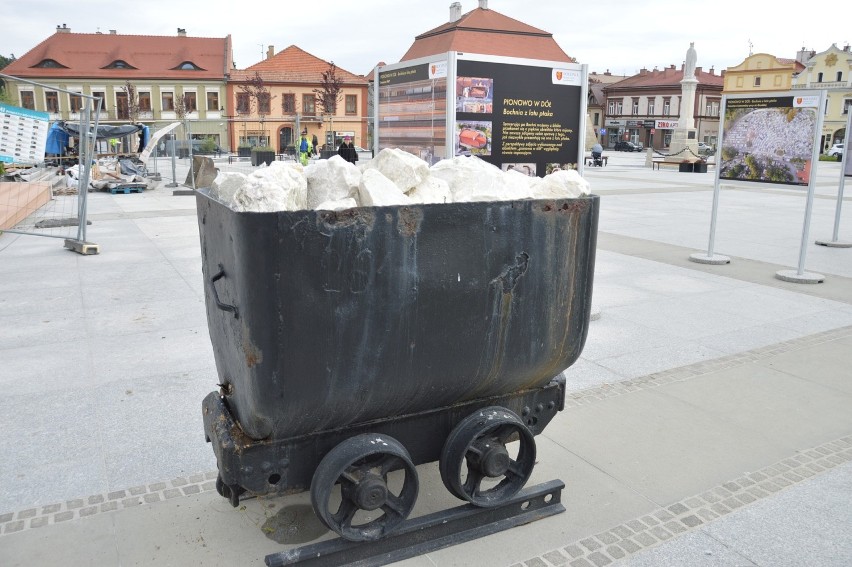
(361, 465)
(476, 448)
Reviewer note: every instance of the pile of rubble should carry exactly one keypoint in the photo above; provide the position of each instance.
(394, 177)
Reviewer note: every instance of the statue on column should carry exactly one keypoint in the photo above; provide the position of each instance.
(691, 59)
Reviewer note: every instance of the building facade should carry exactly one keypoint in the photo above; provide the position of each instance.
(644, 108)
(761, 72)
(830, 70)
(291, 81)
(160, 69)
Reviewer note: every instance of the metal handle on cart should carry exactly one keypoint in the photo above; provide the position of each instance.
(223, 306)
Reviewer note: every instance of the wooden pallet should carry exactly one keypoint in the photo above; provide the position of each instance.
(126, 190)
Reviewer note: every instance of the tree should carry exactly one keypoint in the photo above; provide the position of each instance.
(259, 98)
(328, 95)
(132, 102)
(5, 95)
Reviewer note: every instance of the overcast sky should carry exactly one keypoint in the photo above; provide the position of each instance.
(620, 36)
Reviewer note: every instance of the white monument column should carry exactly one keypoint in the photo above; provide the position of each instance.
(685, 135)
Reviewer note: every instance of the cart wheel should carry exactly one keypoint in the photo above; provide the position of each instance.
(479, 441)
(361, 465)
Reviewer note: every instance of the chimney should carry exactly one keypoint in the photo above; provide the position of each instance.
(270, 51)
(181, 32)
(113, 32)
(697, 71)
(455, 12)
(63, 29)
(483, 4)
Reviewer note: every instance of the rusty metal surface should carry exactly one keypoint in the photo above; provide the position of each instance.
(349, 316)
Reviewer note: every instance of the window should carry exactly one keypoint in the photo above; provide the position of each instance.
(144, 102)
(351, 104)
(819, 77)
(243, 103)
(102, 96)
(75, 102)
(309, 105)
(119, 64)
(757, 81)
(28, 99)
(712, 108)
(189, 98)
(611, 107)
(619, 107)
(839, 76)
(49, 64)
(213, 100)
(51, 101)
(651, 107)
(168, 100)
(122, 110)
(597, 118)
(635, 106)
(288, 103)
(187, 66)
(667, 106)
(264, 103)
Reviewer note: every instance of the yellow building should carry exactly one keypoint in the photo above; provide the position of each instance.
(761, 72)
(830, 70)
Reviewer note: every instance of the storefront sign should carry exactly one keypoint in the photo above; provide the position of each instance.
(666, 125)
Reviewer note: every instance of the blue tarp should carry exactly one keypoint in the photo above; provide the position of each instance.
(57, 140)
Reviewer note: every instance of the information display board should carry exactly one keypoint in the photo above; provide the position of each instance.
(23, 135)
(769, 139)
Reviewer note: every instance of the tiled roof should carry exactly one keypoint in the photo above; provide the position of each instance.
(294, 65)
(668, 77)
(490, 33)
(84, 56)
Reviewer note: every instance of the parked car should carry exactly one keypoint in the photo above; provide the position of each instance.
(836, 150)
(704, 148)
(627, 147)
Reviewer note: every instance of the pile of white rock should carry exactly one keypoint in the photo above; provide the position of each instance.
(393, 177)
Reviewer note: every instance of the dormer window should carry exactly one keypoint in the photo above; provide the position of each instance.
(50, 64)
(119, 64)
(187, 66)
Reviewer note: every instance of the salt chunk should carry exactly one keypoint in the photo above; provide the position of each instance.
(331, 180)
(376, 190)
(277, 187)
(431, 190)
(562, 184)
(405, 170)
(472, 179)
(339, 205)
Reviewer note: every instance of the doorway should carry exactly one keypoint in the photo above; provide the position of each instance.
(285, 139)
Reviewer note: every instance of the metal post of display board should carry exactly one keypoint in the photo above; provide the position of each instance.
(845, 171)
(174, 175)
(799, 275)
(710, 257)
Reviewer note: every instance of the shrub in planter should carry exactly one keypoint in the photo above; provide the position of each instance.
(699, 167)
(685, 166)
(262, 154)
(243, 151)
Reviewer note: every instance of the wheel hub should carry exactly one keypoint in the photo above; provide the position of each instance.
(495, 460)
(371, 493)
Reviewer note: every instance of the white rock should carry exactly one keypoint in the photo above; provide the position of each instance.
(431, 190)
(339, 205)
(376, 190)
(278, 187)
(331, 180)
(562, 184)
(404, 169)
(226, 185)
(473, 179)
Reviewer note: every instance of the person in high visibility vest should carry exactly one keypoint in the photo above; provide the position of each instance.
(305, 149)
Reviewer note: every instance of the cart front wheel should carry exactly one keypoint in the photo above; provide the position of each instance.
(476, 464)
(361, 465)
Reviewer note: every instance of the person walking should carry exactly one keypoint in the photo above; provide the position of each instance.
(347, 150)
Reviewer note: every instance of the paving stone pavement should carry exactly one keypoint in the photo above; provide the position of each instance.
(706, 420)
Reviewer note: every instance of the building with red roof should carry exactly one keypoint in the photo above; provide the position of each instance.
(161, 69)
(277, 98)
